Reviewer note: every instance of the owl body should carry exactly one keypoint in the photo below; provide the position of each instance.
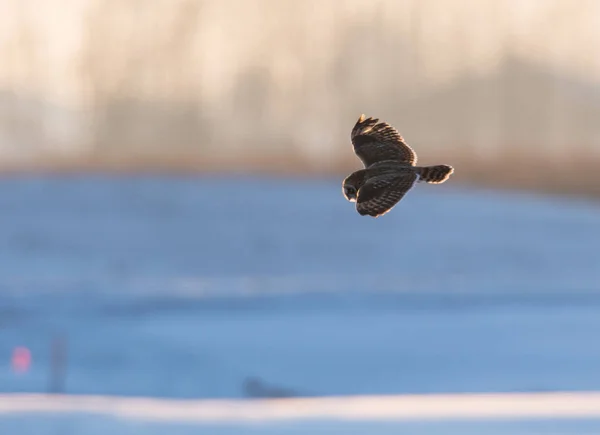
(378, 173)
(390, 168)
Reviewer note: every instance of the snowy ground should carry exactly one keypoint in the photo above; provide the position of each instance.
(489, 413)
(94, 425)
(184, 288)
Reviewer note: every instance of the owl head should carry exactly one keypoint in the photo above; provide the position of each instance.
(352, 183)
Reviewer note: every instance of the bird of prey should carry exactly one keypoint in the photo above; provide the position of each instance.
(389, 168)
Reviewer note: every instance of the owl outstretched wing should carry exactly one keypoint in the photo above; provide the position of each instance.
(376, 141)
(381, 193)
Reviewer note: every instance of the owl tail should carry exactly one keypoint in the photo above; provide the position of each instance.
(435, 174)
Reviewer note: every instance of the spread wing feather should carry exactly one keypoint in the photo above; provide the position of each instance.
(376, 141)
(380, 194)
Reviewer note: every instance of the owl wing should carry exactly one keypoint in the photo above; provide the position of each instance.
(381, 193)
(376, 141)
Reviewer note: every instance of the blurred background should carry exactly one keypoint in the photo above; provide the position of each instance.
(172, 223)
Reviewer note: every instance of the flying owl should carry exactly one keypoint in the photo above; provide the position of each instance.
(390, 168)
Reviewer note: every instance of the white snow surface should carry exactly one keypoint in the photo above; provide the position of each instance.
(184, 288)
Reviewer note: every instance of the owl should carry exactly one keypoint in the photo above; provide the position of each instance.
(389, 168)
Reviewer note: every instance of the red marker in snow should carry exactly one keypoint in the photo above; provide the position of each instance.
(21, 359)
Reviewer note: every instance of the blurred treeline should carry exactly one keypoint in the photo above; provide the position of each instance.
(508, 91)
